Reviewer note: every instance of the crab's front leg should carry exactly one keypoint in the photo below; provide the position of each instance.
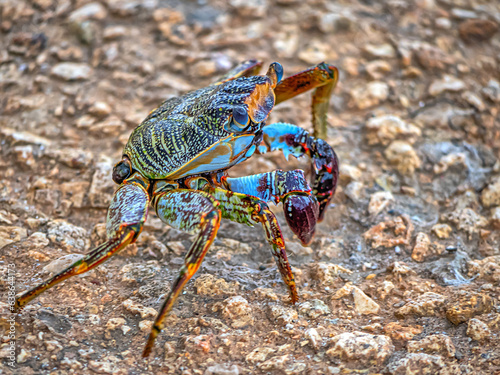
(293, 140)
(323, 78)
(126, 216)
(190, 211)
(246, 209)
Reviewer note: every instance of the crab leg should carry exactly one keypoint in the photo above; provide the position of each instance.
(191, 211)
(293, 140)
(126, 216)
(323, 78)
(246, 209)
(245, 69)
(299, 205)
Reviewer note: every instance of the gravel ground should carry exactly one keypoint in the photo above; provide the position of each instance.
(403, 275)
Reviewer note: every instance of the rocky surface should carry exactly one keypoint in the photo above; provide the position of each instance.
(403, 274)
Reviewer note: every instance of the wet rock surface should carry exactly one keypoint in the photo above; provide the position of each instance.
(403, 274)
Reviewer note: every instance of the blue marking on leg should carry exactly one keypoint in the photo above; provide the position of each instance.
(293, 140)
(270, 186)
(284, 137)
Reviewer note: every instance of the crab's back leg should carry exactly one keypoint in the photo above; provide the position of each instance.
(126, 216)
(245, 69)
(247, 209)
(293, 140)
(191, 211)
(323, 78)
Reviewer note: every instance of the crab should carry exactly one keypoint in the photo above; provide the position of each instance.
(177, 160)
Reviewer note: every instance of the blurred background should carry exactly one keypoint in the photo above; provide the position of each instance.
(410, 239)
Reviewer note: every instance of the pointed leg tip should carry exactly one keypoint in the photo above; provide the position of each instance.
(147, 349)
(294, 296)
(18, 305)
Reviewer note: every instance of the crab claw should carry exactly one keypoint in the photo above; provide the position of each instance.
(301, 213)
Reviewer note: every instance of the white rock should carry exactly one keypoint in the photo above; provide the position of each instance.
(314, 308)
(443, 23)
(422, 363)
(314, 52)
(115, 323)
(222, 369)
(282, 315)
(478, 330)
(327, 273)
(335, 22)
(380, 50)
(136, 308)
(250, 8)
(463, 13)
(38, 240)
(94, 11)
(379, 201)
(474, 100)
(259, 354)
(354, 191)
(422, 248)
(364, 304)
(377, 69)
(442, 230)
(495, 217)
(433, 344)
(286, 42)
(447, 83)
(314, 338)
(349, 173)
(70, 71)
(386, 128)
(366, 96)
(491, 194)
(361, 347)
(450, 160)
(403, 156)
(238, 310)
(11, 234)
(68, 235)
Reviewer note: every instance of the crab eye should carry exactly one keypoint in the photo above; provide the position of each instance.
(278, 68)
(275, 73)
(122, 170)
(240, 117)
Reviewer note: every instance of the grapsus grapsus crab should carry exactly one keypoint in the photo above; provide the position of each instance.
(177, 161)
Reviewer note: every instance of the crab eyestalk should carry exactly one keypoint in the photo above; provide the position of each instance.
(275, 73)
(122, 170)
